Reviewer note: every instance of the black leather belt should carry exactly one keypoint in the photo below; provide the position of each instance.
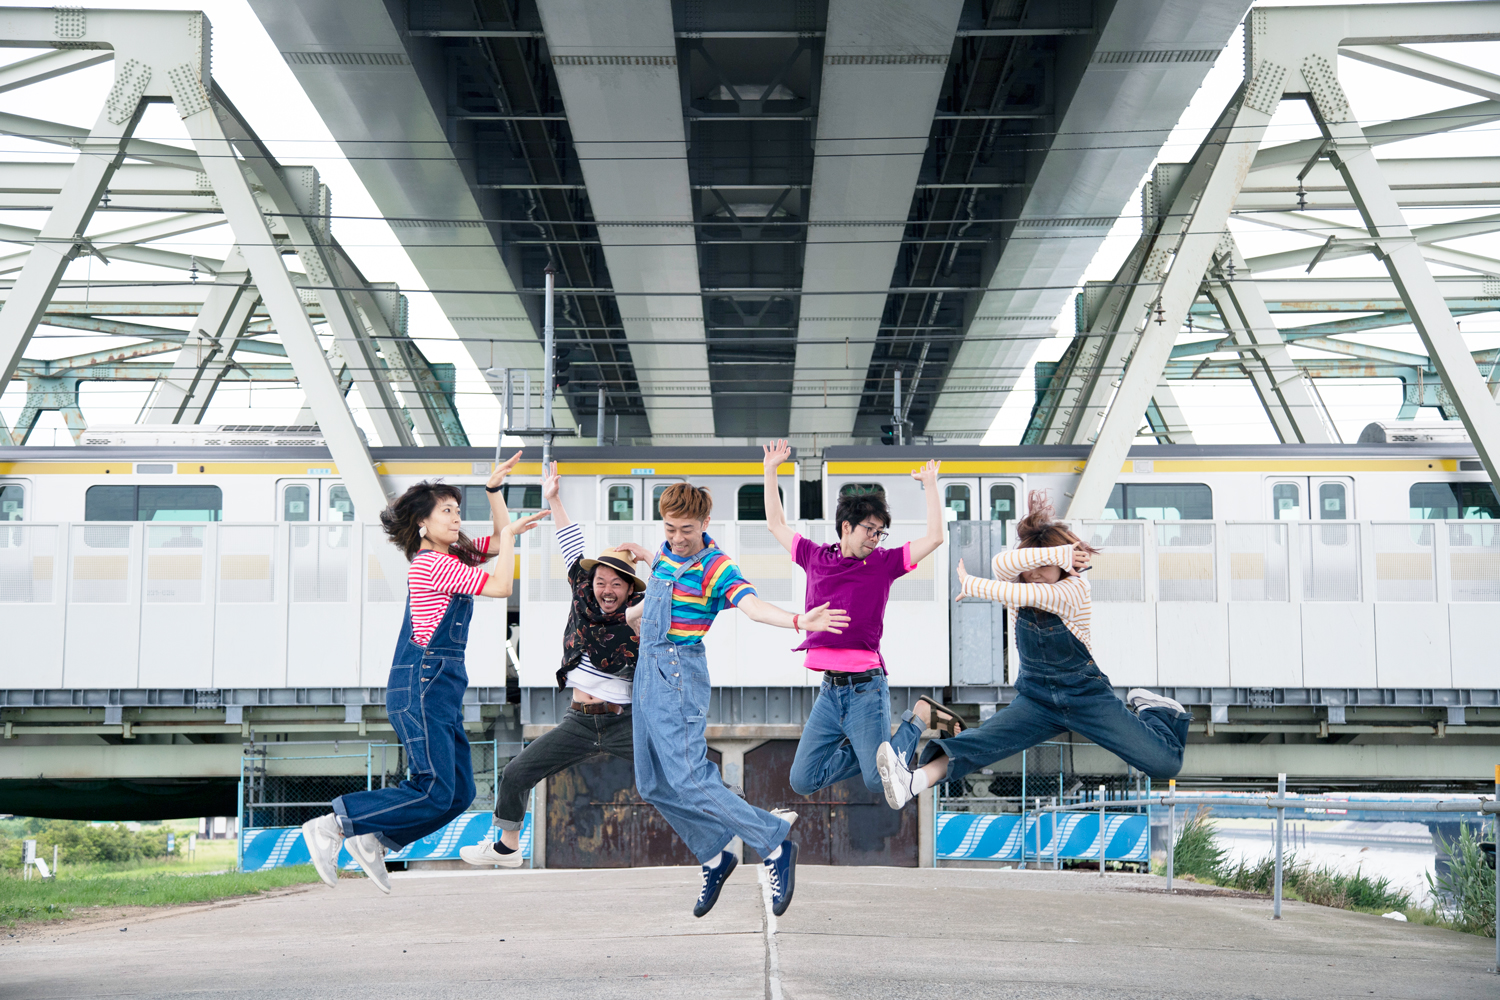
(839, 677)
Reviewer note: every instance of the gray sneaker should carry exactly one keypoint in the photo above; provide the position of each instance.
(1139, 698)
(323, 837)
(369, 854)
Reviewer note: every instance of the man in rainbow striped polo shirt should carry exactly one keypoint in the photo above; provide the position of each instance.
(693, 580)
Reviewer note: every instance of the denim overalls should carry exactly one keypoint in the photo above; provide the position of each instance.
(424, 698)
(672, 769)
(1060, 689)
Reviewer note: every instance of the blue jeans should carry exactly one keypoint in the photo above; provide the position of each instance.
(846, 726)
(1060, 689)
(672, 769)
(424, 698)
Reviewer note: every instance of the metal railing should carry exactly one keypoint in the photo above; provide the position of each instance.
(1281, 802)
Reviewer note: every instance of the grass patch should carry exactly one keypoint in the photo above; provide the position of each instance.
(1468, 887)
(24, 901)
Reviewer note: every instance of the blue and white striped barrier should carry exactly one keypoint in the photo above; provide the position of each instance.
(276, 847)
(997, 837)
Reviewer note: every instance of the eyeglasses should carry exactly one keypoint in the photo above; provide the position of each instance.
(879, 534)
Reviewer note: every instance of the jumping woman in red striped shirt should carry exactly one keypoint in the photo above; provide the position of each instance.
(1059, 688)
(425, 693)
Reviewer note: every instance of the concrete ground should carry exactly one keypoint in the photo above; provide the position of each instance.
(851, 932)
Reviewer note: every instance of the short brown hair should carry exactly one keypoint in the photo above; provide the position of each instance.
(686, 500)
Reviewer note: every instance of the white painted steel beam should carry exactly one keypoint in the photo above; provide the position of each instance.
(375, 104)
(125, 244)
(1149, 60)
(616, 64)
(200, 366)
(50, 65)
(1424, 66)
(1432, 181)
(883, 66)
(1197, 216)
(1354, 241)
(1295, 50)
(58, 134)
(134, 186)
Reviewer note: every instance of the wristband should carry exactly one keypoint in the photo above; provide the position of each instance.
(494, 489)
(795, 626)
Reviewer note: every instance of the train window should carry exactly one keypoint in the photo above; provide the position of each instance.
(1331, 502)
(850, 489)
(1160, 502)
(520, 498)
(1002, 502)
(1453, 501)
(296, 503)
(1287, 499)
(340, 507)
(153, 503)
(956, 502)
(12, 502)
(750, 502)
(620, 503)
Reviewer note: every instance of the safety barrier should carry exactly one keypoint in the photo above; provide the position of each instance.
(297, 791)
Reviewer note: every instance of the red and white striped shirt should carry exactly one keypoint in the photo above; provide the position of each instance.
(435, 576)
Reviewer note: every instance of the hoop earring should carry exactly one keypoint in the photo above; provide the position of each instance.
(421, 531)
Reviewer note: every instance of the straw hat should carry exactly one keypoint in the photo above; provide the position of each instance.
(620, 561)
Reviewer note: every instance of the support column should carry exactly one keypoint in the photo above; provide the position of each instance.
(185, 394)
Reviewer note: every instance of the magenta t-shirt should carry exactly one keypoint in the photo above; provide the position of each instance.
(859, 586)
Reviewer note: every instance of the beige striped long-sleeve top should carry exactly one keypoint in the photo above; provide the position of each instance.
(1069, 598)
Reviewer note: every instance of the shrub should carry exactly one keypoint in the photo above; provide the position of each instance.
(83, 843)
(1197, 853)
(1468, 886)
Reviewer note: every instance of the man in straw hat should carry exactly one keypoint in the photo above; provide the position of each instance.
(599, 657)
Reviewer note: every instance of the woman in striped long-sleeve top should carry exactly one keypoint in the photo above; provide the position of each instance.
(1059, 687)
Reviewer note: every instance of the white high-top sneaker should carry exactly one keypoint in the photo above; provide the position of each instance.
(323, 837)
(370, 855)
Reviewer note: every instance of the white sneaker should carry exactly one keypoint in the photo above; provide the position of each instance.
(369, 854)
(1139, 698)
(790, 815)
(894, 775)
(323, 837)
(484, 855)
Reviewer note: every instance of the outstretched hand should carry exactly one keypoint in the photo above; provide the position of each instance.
(821, 619)
(551, 482)
(927, 474)
(525, 524)
(776, 453)
(637, 552)
(963, 578)
(502, 470)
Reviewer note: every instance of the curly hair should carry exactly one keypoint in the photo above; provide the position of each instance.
(686, 500)
(855, 507)
(1041, 529)
(403, 517)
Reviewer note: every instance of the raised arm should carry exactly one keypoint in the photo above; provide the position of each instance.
(776, 453)
(551, 487)
(494, 488)
(502, 577)
(1013, 562)
(1065, 598)
(929, 543)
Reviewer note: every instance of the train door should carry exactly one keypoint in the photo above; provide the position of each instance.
(297, 500)
(961, 499)
(1318, 498)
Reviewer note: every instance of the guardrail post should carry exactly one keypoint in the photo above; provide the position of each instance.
(1056, 835)
(1102, 825)
(1171, 831)
(1024, 815)
(1280, 823)
(1039, 830)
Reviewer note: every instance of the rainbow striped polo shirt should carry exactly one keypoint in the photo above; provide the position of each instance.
(702, 592)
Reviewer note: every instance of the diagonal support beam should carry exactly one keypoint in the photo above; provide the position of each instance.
(184, 395)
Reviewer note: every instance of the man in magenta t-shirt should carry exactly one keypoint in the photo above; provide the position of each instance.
(852, 715)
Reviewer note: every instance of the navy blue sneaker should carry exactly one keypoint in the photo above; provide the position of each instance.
(713, 881)
(782, 875)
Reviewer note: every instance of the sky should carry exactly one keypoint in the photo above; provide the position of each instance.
(251, 71)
